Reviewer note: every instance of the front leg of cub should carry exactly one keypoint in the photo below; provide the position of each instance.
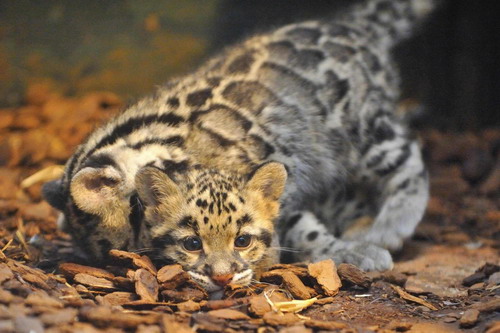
(313, 242)
(403, 193)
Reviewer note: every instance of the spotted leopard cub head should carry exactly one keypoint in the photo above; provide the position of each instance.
(218, 226)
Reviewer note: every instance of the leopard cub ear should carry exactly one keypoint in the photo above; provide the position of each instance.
(269, 180)
(97, 190)
(156, 188)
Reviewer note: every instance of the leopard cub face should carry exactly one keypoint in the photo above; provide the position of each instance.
(219, 226)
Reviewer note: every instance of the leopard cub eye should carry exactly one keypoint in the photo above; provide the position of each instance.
(192, 244)
(243, 241)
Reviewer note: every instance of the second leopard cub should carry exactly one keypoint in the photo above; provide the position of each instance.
(288, 138)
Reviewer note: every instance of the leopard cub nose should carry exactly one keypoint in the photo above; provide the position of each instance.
(222, 280)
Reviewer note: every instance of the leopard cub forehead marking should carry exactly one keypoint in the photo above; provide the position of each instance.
(216, 200)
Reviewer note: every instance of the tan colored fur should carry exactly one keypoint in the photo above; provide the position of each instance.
(176, 210)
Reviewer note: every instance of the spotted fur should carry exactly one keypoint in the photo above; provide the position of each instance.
(193, 160)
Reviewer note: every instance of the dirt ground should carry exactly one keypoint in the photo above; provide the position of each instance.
(446, 279)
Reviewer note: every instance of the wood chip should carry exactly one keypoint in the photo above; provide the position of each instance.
(189, 306)
(228, 314)
(281, 319)
(94, 282)
(6, 296)
(5, 273)
(295, 286)
(37, 280)
(353, 275)
(60, 317)
(225, 303)
(134, 259)
(325, 325)
(169, 324)
(172, 276)
(185, 294)
(259, 304)
(70, 270)
(119, 298)
(146, 285)
(40, 298)
(469, 318)
(326, 275)
(404, 295)
(124, 283)
(27, 324)
(103, 316)
(489, 306)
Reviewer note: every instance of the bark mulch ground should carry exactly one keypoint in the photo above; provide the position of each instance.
(446, 279)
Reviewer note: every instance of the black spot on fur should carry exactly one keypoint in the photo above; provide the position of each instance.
(403, 185)
(201, 203)
(292, 221)
(400, 160)
(105, 246)
(265, 237)
(173, 102)
(135, 123)
(188, 222)
(312, 236)
(264, 148)
(222, 141)
(308, 59)
(171, 167)
(176, 140)
(384, 132)
(136, 214)
(249, 95)
(214, 81)
(304, 35)
(342, 53)
(198, 98)
(164, 240)
(241, 64)
(245, 219)
(99, 161)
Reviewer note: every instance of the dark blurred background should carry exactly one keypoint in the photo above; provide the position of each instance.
(451, 65)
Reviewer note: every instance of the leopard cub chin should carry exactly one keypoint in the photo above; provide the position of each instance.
(219, 226)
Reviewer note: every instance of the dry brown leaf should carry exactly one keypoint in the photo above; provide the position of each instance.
(292, 306)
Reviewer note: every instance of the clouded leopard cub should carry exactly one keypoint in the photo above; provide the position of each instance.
(287, 138)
